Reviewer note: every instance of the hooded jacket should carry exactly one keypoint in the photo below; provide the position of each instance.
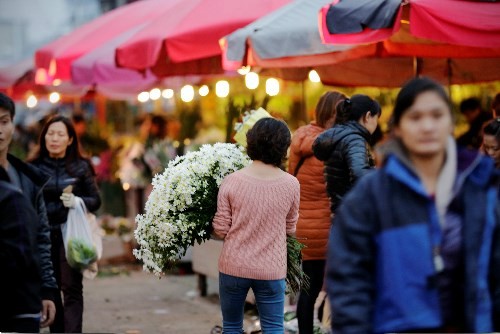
(32, 183)
(345, 151)
(313, 225)
(381, 271)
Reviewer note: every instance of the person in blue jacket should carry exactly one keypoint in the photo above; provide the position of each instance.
(415, 245)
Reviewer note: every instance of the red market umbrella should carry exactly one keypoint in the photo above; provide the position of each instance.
(453, 41)
(175, 33)
(430, 28)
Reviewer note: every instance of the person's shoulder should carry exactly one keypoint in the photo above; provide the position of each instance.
(290, 180)
(8, 191)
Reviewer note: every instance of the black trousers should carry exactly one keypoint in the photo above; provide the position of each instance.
(69, 315)
(20, 325)
(315, 269)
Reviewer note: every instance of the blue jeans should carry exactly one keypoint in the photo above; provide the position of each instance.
(270, 298)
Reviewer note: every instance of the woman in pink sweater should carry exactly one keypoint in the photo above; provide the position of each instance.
(256, 208)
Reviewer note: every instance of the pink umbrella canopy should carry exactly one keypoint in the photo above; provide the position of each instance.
(424, 28)
(171, 32)
(98, 66)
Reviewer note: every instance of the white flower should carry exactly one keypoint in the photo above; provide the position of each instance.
(182, 204)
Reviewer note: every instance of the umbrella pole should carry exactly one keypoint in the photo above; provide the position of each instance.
(450, 73)
(417, 67)
(304, 108)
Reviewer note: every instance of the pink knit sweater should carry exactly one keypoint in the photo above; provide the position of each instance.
(255, 215)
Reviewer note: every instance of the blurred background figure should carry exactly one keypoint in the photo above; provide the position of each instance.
(415, 246)
(345, 148)
(59, 156)
(313, 225)
(491, 140)
(476, 118)
(495, 106)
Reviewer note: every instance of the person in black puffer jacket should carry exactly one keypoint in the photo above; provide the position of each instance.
(59, 156)
(345, 147)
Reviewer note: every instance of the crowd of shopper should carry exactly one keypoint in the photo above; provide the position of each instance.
(408, 244)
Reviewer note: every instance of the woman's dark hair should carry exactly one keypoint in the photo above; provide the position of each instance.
(409, 92)
(493, 128)
(268, 141)
(72, 151)
(356, 107)
(161, 127)
(326, 108)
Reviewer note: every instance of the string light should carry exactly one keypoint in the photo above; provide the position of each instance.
(272, 87)
(252, 80)
(187, 93)
(222, 88)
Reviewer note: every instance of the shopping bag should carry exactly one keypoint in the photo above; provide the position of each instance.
(77, 237)
(97, 233)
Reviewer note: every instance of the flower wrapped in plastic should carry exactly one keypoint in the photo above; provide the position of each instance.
(180, 209)
(249, 119)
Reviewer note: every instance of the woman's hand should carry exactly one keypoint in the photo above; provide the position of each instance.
(68, 200)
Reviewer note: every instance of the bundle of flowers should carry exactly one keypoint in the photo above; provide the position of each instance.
(180, 209)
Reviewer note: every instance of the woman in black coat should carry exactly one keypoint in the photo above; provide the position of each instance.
(345, 147)
(59, 156)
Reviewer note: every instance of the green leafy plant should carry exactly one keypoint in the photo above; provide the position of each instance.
(80, 254)
(296, 279)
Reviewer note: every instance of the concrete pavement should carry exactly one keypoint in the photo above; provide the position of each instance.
(136, 302)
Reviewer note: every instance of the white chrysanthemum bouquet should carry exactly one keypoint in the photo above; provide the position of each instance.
(180, 209)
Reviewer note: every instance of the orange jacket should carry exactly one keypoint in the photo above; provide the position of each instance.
(314, 209)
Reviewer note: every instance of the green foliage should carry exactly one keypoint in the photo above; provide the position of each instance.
(296, 279)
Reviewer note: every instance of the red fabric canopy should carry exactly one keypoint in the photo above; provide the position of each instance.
(180, 30)
(453, 22)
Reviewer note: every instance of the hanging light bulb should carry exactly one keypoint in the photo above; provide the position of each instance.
(203, 91)
(272, 87)
(252, 80)
(143, 97)
(314, 76)
(187, 93)
(167, 93)
(222, 88)
(32, 101)
(54, 97)
(155, 94)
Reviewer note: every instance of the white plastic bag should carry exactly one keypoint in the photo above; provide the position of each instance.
(77, 237)
(97, 233)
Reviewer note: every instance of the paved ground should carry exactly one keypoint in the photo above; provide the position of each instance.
(136, 302)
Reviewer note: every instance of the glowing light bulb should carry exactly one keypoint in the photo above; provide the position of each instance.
(252, 80)
(222, 88)
(314, 76)
(32, 101)
(167, 93)
(272, 87)
(154, 94)
(143, 97)
(54, 97)
(203, 91)
(187, 93)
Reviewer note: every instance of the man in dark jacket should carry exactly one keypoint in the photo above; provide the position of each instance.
(30, 181)
(20, 282)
